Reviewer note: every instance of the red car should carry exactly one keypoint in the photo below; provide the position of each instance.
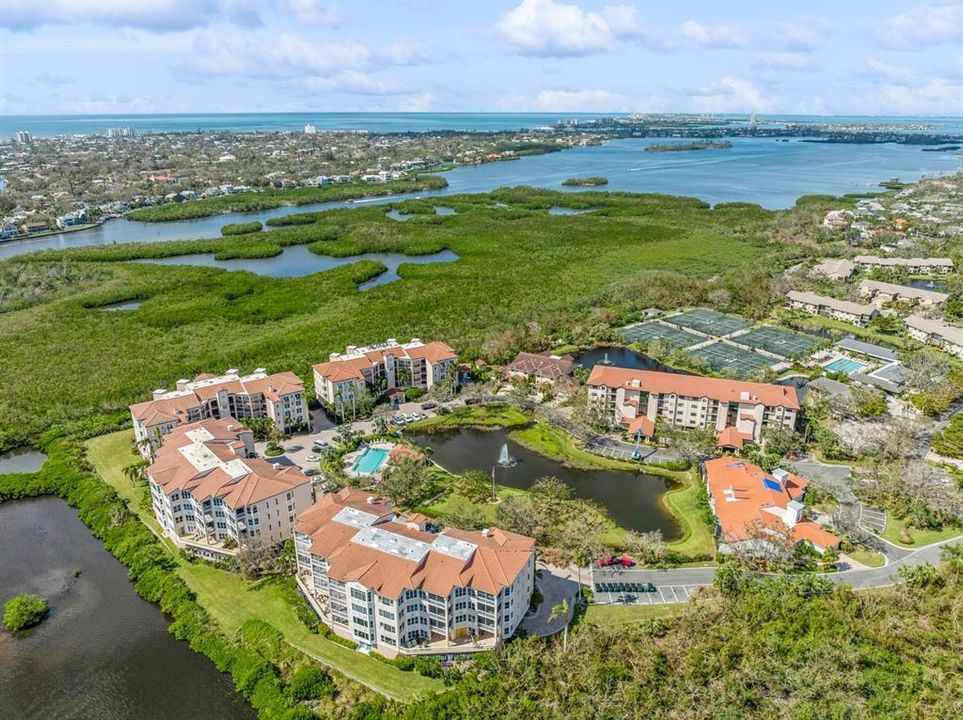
(614, 561)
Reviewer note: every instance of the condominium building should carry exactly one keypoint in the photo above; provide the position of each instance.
(208, 489)
(395, 584)
(384, 367)
(738, 411)
(911, 265)
(844, 310)
(891, 292)
(936, 332)
(756, 510)
(835, 268)
(279, 397)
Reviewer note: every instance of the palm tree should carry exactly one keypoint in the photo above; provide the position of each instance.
(135, 472)
(561, 610)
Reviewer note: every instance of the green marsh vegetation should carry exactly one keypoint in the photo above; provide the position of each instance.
(523, 280)
(23, 611)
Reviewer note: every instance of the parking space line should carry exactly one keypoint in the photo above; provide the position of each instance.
(661, 595)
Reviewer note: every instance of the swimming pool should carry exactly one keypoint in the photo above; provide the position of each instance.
(370, 461)
(845, 366)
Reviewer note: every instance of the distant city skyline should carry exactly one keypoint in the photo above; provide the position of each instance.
(173, 56)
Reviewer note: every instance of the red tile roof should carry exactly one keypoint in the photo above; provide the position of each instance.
(496, 561)
(694, 386)
(743, 499)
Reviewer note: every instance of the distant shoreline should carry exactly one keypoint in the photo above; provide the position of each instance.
(686, 147)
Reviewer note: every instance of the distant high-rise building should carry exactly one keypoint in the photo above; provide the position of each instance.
(120, 132)
(24, 137)
(310, 129)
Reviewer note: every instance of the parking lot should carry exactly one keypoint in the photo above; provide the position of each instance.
(630, 583)
(299, 448)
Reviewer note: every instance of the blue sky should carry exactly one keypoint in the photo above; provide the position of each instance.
(121, 56)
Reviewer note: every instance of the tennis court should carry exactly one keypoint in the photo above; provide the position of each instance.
(709, 322)
(783, 343)
(721, 356)
(648, 332)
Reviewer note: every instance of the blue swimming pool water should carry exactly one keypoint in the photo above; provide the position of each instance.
(845, 366)
(370, 461)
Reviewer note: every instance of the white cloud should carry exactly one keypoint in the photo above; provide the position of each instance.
(803, 34)
(937, 97)
(712, 36)
(784, 60)
(46, 78)
(312, 12)
(923, 26)
(543, 27)
(731, 94)
(892, 75)
(418, 103)
(560, 100)
(152, 15)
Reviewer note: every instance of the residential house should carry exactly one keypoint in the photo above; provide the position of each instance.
(384, 367)
(209, 492)
(838, 219)
(393, 583)
(916, 266)
(936, 332)
(883, 292)
(279, 397)
(760, 511)
(844, 310)
(543, 367)
(738, 411)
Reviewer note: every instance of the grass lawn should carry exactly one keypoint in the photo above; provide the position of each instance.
(473, 416)
(232, 601)
(869, 558)
(920, 537)
(623, 614)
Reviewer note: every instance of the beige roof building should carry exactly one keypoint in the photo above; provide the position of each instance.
(279, 396)
(936, 332)
(913, 265)
(393, 581)
(835, 268)
(383, 367)
(890, 292)
(207, 486)
(845, 310)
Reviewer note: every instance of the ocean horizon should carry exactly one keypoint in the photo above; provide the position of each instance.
(389, 122)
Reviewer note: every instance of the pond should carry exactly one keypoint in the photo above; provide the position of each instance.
(22, 460)
(926, 284)
(103, 652)
(445, 211)
(621, 357)
(298, 261)
(634, 501)
(557, 210)
(125, 305)
(398, 215)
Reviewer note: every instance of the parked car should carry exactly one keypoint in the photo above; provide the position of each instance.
(313, 458)
(429, 405)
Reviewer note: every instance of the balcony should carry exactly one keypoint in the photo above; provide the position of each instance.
(440, 645)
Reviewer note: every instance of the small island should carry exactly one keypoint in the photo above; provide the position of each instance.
(594, 181)
(24, 611)
(682, 147)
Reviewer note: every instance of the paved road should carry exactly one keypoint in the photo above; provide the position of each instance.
(674, 585)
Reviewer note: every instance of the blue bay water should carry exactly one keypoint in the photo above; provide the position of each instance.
(767, 171)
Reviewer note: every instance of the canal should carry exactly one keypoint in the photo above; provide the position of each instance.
(633, 500)
(103, 652)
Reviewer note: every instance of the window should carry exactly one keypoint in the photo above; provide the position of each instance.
(359, 608)
(359, 594)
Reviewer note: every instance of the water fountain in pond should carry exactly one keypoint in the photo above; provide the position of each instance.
(605, 360)
(505, 459)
